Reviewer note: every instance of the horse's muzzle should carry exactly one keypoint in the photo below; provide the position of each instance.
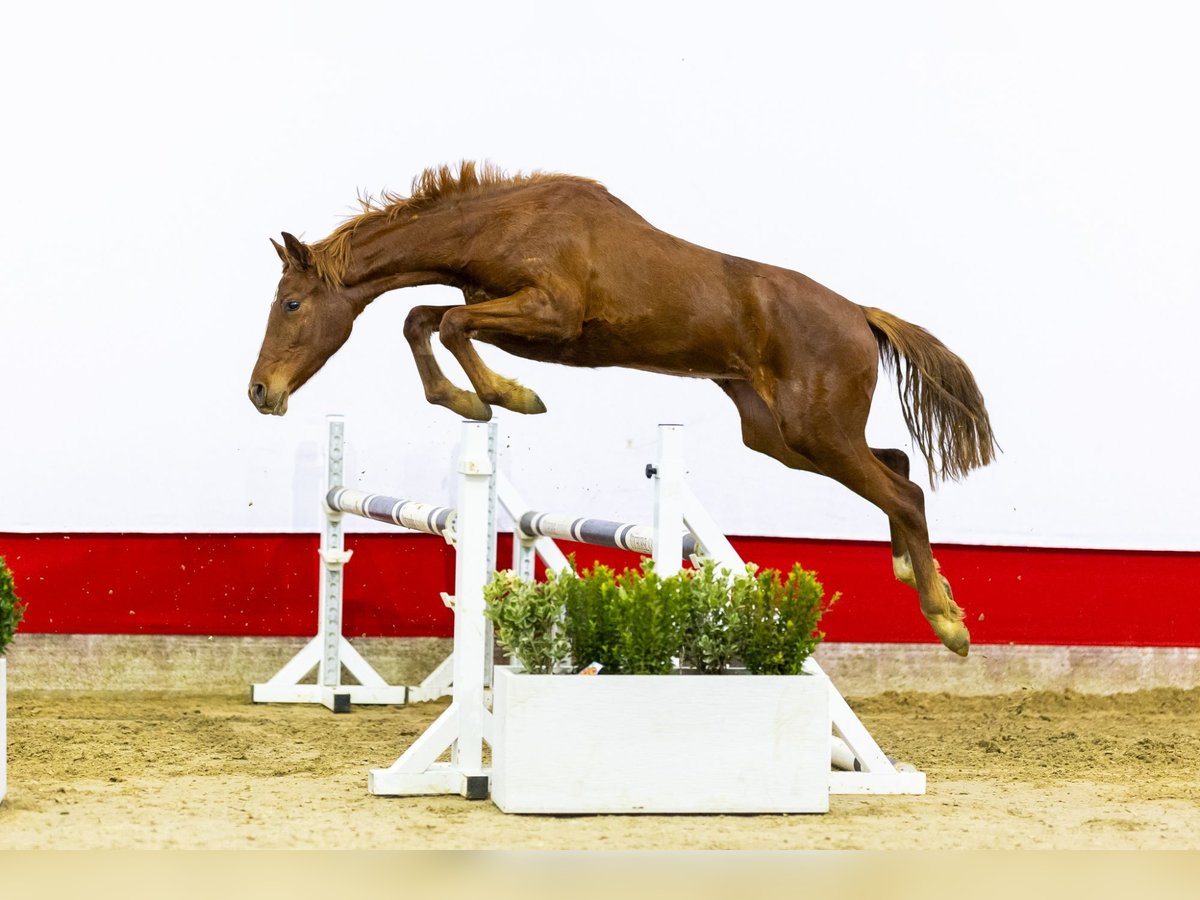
(265, 403)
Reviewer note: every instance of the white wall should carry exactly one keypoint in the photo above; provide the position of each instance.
(1020, 178)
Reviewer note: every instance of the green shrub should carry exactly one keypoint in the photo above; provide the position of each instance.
(590, 620)
(12, 610)
(651, 612)
(527, 616)
(712, 625)
(638, 622)
(778, 619)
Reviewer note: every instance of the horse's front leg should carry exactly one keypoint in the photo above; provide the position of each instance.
(530, 314)
(420, 325)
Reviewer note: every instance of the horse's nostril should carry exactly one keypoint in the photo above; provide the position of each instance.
(258, 391)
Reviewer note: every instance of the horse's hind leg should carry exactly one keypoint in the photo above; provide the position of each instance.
(421, 323)
(760, 432)
(902, 567)
(832, 440)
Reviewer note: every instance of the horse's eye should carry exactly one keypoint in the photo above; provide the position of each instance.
(292, 305)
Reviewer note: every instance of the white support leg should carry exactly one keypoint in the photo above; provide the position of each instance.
(711, 539)
(285, 686)
(668, 501)
(475, 550)
(463, 726)
(489, 632)
(876, 774)
(333, 557)
(437, 684)
(293, 670)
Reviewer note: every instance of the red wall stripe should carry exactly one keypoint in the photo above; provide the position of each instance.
(266, 584)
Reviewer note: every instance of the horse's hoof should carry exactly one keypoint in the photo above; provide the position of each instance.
(469, 406)
(953, 634)
(522, 400)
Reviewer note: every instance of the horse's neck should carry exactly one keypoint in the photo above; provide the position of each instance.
(410, 251)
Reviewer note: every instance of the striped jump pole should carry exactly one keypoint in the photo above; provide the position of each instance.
(412, 514)
(598, 532)
(669, 541)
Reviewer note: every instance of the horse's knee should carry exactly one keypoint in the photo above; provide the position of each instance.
(453, 328)
(438, 393)
(420, 323)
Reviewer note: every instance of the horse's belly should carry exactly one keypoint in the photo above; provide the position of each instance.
(575, 352)
(598, 346)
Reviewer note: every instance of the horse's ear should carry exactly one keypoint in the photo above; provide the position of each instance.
(297, 254)
(279, 249)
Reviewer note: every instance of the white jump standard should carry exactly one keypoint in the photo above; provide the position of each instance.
(682, 529)
(329, 651)
(468, 723)
(681, 525)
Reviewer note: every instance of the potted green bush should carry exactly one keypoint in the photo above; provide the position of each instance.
(11, 612)
(666, 726)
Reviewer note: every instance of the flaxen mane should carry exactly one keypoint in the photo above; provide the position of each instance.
(331, 254)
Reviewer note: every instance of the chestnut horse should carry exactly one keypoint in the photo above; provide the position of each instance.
(555, 268)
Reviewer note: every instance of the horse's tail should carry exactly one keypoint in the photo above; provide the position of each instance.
(942, 405)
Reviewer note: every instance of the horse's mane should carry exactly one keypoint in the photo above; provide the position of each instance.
(331, 255)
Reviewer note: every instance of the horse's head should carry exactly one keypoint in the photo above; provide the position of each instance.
(310, 319)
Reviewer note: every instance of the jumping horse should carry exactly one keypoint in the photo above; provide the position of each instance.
(555, 268)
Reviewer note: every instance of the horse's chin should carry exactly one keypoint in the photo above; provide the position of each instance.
(277, 407)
